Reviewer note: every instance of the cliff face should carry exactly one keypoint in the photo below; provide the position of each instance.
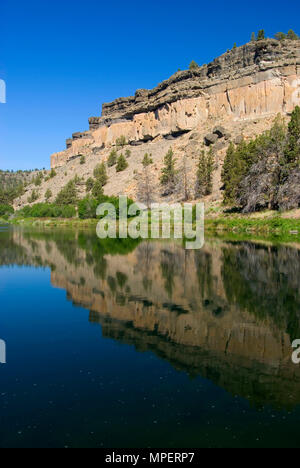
(259, 79)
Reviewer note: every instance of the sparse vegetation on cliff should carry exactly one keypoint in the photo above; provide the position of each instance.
(193, 65)
(121, 141)
(33, 197)
(147, 160)
(48, 195)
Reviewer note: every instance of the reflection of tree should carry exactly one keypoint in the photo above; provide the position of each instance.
(168, 270)
(121, 279)
(112, 284)
(145, 259)
(265, 282)
(100, 267)
(203, 262)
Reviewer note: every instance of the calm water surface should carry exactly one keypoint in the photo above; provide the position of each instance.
(127, 344)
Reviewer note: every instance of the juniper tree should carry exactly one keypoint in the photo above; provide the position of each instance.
(169, 175)
(100, 174)
(89, 184)
(183, 180)
(112, 158)
(146, 186)
(293, 145)
(97, 190)
(68, 194)
(204, 174)
(122, 164)
(48, 195)
(280, 36)
(193, 65)
(121, 141)
(292, 35)
(261, 35)
(147, 161)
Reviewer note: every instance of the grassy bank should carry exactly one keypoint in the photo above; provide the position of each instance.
(259, 224)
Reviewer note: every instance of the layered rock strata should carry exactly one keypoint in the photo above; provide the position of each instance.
(256, 80)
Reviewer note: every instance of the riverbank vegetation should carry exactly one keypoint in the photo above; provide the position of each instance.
(265, 172)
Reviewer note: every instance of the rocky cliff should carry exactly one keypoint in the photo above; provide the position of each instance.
(256, 80)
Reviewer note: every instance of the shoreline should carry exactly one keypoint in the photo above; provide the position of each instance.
(276, 226)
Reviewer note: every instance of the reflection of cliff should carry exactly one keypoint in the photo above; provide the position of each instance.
(226, 312)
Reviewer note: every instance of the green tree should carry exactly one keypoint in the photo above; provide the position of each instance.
(112, 158)
(280, 36)
(253, 37)
(89, 184)
(169, 173)
(234, 46)
(292, 35)
(147, 161)
(100, 174)
(193, 65)
(293, 146)
(122, 164)
(121, 141)
(97, 190)
(52, 174)
(68, 194)
(48, 195)
(261, 35)
(204, 174)
(38, 179)
(34, 196)
(82, 159)
(127, 153)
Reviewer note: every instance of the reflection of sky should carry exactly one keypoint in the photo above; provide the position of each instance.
(2, 92)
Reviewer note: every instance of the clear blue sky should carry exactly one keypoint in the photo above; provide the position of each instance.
(62, 59)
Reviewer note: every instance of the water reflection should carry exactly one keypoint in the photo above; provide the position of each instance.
(227, 312)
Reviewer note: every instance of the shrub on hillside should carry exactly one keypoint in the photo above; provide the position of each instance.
(122, 164)
(68, 194)
(97, 190)
(112, 158)
(89, 184)
(88, 206)
(47, 210)
(6, 210)
(100, 174)
(33, 197)
(121, 141)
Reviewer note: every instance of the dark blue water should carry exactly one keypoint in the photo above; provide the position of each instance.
(146, 345)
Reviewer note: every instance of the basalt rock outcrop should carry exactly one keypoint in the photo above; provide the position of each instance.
(259, 79)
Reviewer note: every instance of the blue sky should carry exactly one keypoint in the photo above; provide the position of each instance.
(62, 59)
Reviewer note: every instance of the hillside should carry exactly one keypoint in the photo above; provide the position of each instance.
(12, 184)
(234, 98)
